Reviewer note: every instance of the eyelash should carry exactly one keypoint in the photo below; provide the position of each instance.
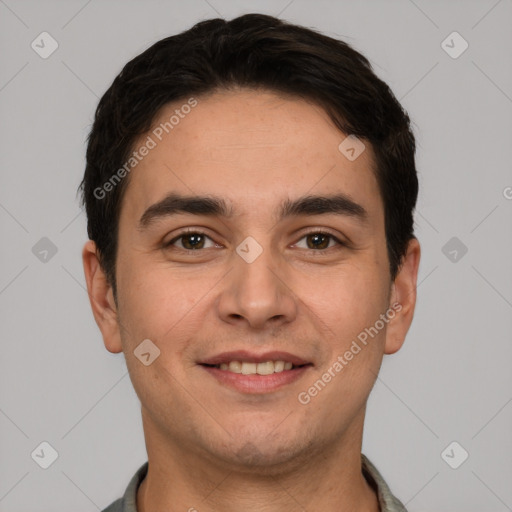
(196, 232)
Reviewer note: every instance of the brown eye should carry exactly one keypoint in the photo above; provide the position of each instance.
(319, 240)
(190, 241)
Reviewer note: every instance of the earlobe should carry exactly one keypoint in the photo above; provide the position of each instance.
(101, 298)
(403, 296)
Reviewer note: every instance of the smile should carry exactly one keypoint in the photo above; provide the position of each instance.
(256, 378)
(247, 368)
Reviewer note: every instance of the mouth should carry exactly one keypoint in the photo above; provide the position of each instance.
(247, 363)
(253, 373)
(253, 368)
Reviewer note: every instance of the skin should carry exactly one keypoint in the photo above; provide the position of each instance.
(254, 149)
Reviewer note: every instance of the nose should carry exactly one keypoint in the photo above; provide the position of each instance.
(258, 294)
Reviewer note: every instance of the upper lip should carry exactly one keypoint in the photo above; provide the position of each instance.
(250, 357)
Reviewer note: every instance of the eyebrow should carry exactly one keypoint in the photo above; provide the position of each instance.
(172, 204)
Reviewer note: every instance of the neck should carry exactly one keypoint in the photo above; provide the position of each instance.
(327, 478)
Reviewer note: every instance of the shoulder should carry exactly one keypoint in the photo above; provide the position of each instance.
(128, 502)
(116, 506)
(387, 501)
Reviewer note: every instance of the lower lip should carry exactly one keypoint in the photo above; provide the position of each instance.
(256, 383)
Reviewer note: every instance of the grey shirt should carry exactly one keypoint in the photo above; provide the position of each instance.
(387, 502)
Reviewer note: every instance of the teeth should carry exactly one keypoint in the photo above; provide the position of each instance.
(266, 368)
(235, 367)
(278, 366)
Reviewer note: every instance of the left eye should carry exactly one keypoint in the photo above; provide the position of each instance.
(319, 240)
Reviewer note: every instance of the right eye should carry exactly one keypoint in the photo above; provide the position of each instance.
(191, 241)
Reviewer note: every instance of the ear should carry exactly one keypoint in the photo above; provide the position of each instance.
(403, 294)
(101, 298)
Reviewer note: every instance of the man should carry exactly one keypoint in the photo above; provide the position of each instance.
(250, 188)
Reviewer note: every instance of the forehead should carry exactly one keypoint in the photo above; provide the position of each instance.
(252, 148)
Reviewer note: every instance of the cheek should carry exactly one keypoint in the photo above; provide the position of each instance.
(161, 303)
(349, 309)
(155, 305)
(349, 299)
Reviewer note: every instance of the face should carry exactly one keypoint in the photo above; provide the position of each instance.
(259, 277)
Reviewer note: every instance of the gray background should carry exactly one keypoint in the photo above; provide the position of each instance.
(452, 379)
